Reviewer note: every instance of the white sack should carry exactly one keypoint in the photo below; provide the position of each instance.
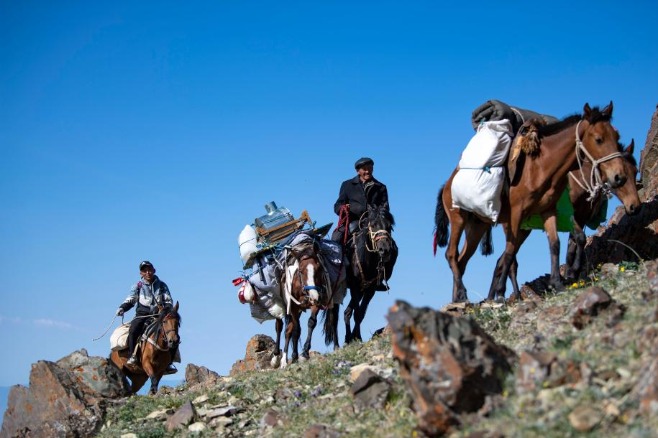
(478, 191)
(119, 338)
(489, 146)
(479, 181)
(248, 243)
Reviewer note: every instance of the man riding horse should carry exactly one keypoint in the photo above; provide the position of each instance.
(354, 197)
(148, 293)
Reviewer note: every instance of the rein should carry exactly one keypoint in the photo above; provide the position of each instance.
(594, 185)
(344, 220)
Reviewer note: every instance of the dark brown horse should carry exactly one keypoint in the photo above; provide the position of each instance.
(372, 253)
(539, 180)
(305, 285)
(155, 351)
(587, 198)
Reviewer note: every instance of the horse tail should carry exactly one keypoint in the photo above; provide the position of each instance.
(330, 335)
(486, 243)
(441, 222)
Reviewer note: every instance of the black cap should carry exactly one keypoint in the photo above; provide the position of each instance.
(363, 161)
(145, 264)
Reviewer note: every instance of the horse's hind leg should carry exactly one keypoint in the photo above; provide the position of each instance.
(514, 269)
(312, 322)
(575, 253)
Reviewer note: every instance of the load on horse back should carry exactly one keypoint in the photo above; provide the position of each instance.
(371, 254)
(156, 347)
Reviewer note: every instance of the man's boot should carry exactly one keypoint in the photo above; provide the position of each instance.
(132, 361)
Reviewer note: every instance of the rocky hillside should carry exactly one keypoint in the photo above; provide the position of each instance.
(581, 361)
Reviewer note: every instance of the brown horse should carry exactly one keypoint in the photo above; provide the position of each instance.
(305, 285)
(587, 199)
(155, 352)
(539, 180)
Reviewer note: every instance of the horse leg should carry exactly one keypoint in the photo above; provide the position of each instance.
(312, 321)
(355, 298)
(289, 330)
(155, 381)
(575, 253)
(296, 333)
(456, 228)
(474, 230)
(275, 362)
(550, 225)
(360, 312)
(514, 268)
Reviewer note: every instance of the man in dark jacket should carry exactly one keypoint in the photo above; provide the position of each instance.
(148, 293)
(355, 195)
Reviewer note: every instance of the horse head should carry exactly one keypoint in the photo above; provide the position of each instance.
(627, 192)
(170, 320)
(599, 142)
(308, 279)
(380, 225)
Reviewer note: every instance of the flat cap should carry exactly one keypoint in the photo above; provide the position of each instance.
(363, 161)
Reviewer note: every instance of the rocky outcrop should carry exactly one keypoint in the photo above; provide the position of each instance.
(66, 398)
(449, 364)
(257, 357)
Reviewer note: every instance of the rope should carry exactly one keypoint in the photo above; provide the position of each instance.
(108, 328)
(344, 220)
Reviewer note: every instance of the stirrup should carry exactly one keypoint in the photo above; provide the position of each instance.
(171, 369)
(132, 360)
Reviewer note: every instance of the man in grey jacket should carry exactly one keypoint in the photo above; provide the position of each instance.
(147, 294)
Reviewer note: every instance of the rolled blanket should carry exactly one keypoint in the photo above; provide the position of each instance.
(496, 110)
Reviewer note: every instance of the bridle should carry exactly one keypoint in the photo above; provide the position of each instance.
(165, 334)
(595, 184)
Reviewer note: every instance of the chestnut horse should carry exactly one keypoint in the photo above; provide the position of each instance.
(155, 351)
(539, 181)
(587, 199)
(305, 285)
(372, 253)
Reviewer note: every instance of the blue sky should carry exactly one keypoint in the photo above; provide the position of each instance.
(158, 130)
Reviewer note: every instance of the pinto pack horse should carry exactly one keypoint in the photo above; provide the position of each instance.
(305, 285)
(155, 351)
(372, 253)
(539, 179)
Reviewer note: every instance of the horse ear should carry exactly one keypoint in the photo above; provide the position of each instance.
(176, 307)
(629, 148)
(586, 111)
(607, 111)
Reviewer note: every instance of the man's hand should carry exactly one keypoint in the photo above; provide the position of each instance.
(120, 311)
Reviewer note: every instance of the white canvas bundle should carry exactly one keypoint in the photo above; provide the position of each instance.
(479, 181)
(489, 146)
(247, 240)
(119, 338)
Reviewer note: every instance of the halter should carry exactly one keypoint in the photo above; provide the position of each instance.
(595, 185)
(374, 237)
(164, 332)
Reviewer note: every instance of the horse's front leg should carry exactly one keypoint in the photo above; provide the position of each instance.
(355, 297)
(155, 381)
(275, 362)
(296, 334)
(550, 226)
(289, 330)
(360, 312)
(575, 253)
(312, 322)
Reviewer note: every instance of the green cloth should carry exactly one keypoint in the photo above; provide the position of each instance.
(565, 216)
